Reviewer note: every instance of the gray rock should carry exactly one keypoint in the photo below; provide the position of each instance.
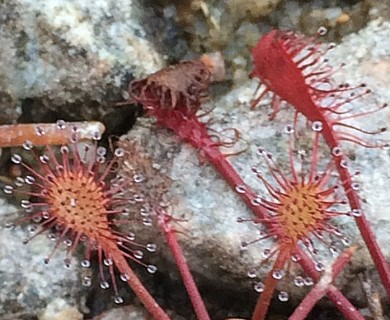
(29, 286)
(66, 52)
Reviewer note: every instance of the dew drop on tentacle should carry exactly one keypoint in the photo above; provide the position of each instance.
(39, 131)
(118, 299)
(44, 159)
(317, 126)
(107, 262)
(151, 268)
(333, 250)
(321, 31)
(289, 129)
(27, 145)
(8, 189)
(29, 180)
(266, 253)
(85, 263)
(252, 273)
(119, 152)
(256, 201)
(278, 274)
(61, 124)
(308, 281)
(260, 151)
(344, 163)
(104, 285)
(138, 254)
(67, 263)
(345, 241)
(137, 178)
(130, 236)
(336, 151)
(151, 247)
(64, 150)
(244, 245)
(356, 212)
(147, 221)
(101, 151)
(299, 281)
(19, 181)
(240, 189)
(295, 257)
(16, 158)
(283, 296)
(9, 225)
(355, 186)
(319, 266)
(259, 287)
(86, 281)
(124, 277)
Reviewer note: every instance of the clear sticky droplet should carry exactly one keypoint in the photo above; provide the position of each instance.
(336, 151)
(321, 31)
(87, 281)
(319, 266)
(124, 277)
(240, 189)
(151, 247)
(355, 186)
(278, 274)
(64, 150)
(85, 263)
(138, 254)
(289, 129)
(259, 287)
(266, 253)
(16, 158)
(317, 126)
(27, 145)
(39, 131)
(357, 212)
(283, 296)
(151, 268)
(119, 152)
(8, 189)
(104, 285)
(118, 299)
(130, 236)
(107, 262)
(308, 281)
(137, 178)
(61, 124)
(252, 273)
(298, 281)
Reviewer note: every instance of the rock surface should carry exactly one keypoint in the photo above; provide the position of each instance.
(73, 51)
(28, 285)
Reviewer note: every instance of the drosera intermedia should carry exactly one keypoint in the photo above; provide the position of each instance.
(77, 198)
(185, 121)
(293, 68)
(300, 209)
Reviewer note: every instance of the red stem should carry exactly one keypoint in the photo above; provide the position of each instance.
(354, 201)
(269, 287)
(188, 280)
(142, 293)
(322, 286)
(338, 299)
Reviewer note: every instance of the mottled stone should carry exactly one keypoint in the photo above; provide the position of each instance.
(73, 51)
